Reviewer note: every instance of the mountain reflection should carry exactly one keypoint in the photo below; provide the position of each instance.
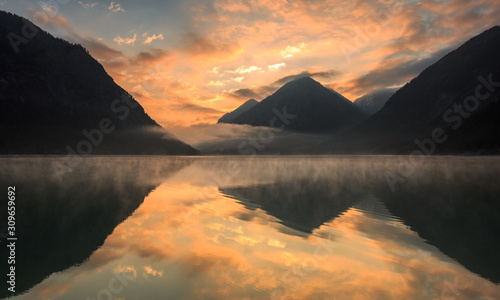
(301, 205)
(239, 228)
(453, 204)
(61, 221)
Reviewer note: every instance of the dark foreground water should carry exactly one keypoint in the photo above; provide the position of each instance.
(328, 227)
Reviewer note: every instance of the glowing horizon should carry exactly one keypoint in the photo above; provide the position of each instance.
(189, 62)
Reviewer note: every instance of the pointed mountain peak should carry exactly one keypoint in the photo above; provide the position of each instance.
(303, 81)
(314, 108)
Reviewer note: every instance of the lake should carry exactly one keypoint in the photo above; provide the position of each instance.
(231, 227)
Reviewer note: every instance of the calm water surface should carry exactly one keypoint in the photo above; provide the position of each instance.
(325, 227)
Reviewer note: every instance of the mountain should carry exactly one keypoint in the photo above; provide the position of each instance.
(303, 105)
(373, 102)
(451, 107)
(57, 99)
(230, 117)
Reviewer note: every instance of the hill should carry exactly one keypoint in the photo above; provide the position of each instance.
(451, 107)
(57, 99)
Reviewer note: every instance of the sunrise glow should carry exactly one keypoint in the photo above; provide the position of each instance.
(189, 62)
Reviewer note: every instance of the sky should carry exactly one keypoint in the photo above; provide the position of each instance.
(189, 62)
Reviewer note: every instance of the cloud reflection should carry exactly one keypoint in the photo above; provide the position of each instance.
(201, 250)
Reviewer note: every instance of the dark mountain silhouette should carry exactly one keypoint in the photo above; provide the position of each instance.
(444, 97)
(304, 105)
(51, 90)
(231, 116)
(373, 102)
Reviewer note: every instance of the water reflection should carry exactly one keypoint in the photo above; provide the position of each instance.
(294, 227)
(454, 205)
(297, 204)
(62, 220)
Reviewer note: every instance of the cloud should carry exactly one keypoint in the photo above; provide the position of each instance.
(98, 48)
(224, 82)
(393, 72)
(277, 244)
(87, 5)
(150, 271)
(119, 40)
(125, 269)
(223, 6)
(49, 9)
(323, 75)
(216, 83)
(150, 39)
(263, 91)
(197, 45)
(276, 66)
(291, 51)
(243, 70)
(245, 93)
(56, 22)
(215, 70)
(196, 108)
(115, 7)
(151, 56)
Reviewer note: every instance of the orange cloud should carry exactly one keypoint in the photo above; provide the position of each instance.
(150, 39)
(196, 45)
(119, 40)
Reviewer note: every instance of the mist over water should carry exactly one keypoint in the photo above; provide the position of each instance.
(299, 227)
(232, 138)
